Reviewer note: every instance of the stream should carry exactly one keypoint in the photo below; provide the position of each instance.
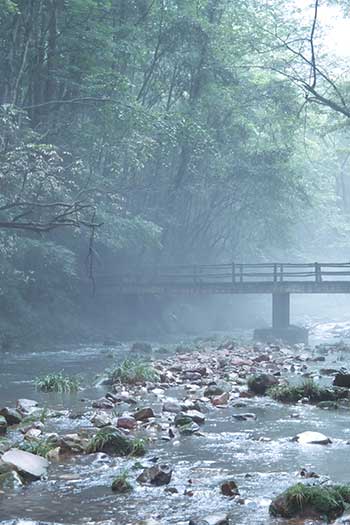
(258, 454)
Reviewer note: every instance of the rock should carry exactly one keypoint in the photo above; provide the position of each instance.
(221, 400)
(29, 465)
(316, 502)
(182, 419)
(72, 444)
(156, 475)
(26, 406)
(10, 481)
(144, 414)
(101, 419)
(244, 417)
(190, 428)
(214, 519)
(33, 433)
(172, 406)
(3, 426)
(304, 473)
(312, 438)
(259, 384)
(12, 416)
(112, 441)
(102, 403)
(121, 485)
(230, 489)
(141, 347)
(196, 416)
(213, 390)
(342, 380)
(328, 405)
(127, 422)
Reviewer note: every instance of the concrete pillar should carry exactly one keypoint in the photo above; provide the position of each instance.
(280, 310)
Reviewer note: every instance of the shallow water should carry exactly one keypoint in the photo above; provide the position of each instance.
(258, 454)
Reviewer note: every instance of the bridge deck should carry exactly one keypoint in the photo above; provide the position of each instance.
(269, 278)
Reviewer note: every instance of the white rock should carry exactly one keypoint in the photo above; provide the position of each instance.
(312, 438)
(26, 463)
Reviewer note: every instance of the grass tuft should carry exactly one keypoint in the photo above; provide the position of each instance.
(326, 501)
(133, 372)
(309, 389)
(121, 483)
(113, 441)
(57, 382)
(40, 447)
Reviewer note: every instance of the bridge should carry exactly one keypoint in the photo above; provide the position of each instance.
(278, 279)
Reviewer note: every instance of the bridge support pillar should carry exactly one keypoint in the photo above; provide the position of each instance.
(281, 329)
(280, 311)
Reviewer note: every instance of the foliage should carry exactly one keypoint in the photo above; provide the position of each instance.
(40, 446)
(133, 372)
(308, 389)
(112, 441)
(57, 382)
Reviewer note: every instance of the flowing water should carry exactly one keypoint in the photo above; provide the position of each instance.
(258, 454)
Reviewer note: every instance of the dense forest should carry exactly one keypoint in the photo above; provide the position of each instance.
(135, 132)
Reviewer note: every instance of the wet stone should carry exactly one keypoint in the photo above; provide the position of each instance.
(214, 519)
(3, 426)
(171, 406)
(245, 417)
(102, 403)
(342, 380)
(127, 422)
(140, 346)
(144, 414)
(157, 475)
(229, 488)
(312, 438)
(213, 390)
(29, 465)
(12, 416)
(26, 406)
(10, 481)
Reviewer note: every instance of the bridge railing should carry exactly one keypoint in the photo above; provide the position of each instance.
(233, 273)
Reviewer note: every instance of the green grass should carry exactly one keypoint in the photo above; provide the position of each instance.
(113, 441)
(327, 501)
(121, 482)
(57, 382)
(133, 372)
(40, 447)
(309, 389)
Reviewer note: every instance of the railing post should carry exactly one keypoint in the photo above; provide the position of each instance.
(281, 273)
(233, 273)
(275, 273)
(318, 277)
(195, 274)
(241, 273)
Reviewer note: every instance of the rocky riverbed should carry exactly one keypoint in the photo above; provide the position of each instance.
(189, 438)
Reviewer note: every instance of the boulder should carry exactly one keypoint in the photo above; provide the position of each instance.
(101, 419)
(10, 481)
(172, 406)
(213, 390)
(229, 488)
(259, 384)
(102, 403)
(12, 416)
(196, 416)
(221, 400)
(342, 380)
(144, 414)
(156, 475)
(245, 417)
(127, 422)
(3, 425)
(28, 465)
(121, 485)
(311, 438)
(316, 502)
(182, 419)
(26, 406)
(190, 428)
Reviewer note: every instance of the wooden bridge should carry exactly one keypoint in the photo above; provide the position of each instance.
(278, 279)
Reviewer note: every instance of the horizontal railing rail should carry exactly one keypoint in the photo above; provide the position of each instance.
(232, 273)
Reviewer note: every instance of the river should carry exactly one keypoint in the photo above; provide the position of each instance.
(258, 454)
